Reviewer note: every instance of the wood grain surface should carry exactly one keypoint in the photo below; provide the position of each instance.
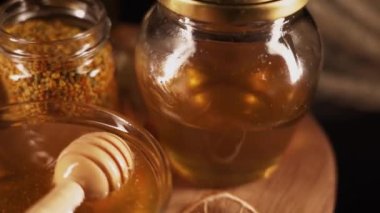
(305, 181)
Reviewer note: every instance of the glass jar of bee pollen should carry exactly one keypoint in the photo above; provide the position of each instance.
(56, 50)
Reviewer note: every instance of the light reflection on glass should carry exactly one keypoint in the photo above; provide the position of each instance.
(184, 48)
(79, 13)
(24, 73)
(120, 124)
(275, 47)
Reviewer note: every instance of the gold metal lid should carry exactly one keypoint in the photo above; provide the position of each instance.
(234, 11)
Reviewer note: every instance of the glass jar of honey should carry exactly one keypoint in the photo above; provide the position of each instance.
(32, 142)
(56, 50)
(225, 83)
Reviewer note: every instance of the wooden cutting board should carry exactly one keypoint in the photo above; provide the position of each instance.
(305, 181)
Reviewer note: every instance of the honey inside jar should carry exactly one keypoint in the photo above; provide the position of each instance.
(224, 105)
(56, 56)
(29, 153)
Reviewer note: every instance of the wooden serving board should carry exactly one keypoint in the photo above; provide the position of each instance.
(305, 181)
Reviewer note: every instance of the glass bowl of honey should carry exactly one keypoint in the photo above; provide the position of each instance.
(33, 136)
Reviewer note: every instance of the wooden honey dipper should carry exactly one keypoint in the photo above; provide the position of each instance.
(91, 166)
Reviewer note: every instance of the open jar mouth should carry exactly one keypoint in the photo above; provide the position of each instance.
(92, 13)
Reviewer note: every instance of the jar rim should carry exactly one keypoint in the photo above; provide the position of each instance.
(82, 35)
(91, 12)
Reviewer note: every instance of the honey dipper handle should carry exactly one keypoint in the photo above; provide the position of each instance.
(64, 198)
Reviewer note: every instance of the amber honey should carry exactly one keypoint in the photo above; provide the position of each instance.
(226, 111)
(27, 158)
